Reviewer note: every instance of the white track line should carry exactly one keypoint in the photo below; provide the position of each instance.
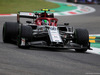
(10, 15)
(94, 35)
(94, 51)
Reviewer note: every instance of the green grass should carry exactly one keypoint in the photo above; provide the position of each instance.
(14, 6)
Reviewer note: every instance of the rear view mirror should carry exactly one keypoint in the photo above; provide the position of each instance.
(66, 24)
(28, 22)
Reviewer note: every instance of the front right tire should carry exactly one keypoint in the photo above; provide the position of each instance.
(10, 31)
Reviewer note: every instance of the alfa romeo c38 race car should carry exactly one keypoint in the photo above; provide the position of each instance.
(43, 31)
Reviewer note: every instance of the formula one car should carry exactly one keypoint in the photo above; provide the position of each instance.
(43, 31)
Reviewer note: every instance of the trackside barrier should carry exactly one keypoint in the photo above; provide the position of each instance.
(84, 1)
(93, 39)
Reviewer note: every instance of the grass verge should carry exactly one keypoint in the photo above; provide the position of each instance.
(14, 6)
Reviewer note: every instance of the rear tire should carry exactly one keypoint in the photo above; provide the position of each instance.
(10, 31)
(52, 15)
(82, 38)
(26, 33)
(81, 50)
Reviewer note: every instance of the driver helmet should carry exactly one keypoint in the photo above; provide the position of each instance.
(45, 22)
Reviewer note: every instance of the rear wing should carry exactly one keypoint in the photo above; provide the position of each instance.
(25, 15)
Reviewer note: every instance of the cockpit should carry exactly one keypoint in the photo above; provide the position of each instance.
(46, 21)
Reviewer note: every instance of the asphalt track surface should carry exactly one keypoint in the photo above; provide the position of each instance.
(35, 61)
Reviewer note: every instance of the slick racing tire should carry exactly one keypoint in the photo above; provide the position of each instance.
(25, 32)
(82, 38)
(10, 31)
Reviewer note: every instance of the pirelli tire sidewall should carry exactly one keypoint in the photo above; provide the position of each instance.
(24, 32)
(10, 31)
(82, 37)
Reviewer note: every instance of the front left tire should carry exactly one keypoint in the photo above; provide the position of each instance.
(25, 32)
(82, 38)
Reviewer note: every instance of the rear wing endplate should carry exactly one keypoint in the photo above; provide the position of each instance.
(25, 15)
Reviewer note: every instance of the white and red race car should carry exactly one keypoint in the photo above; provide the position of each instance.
(43, 31)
